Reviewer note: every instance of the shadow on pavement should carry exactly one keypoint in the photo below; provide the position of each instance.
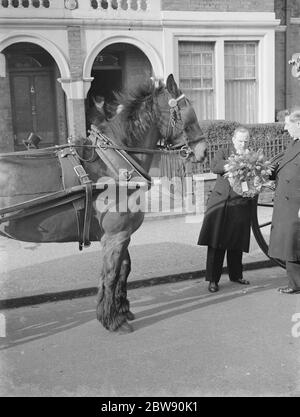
(37, 322)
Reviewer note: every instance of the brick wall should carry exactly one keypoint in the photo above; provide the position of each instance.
(219, 5)
(280, 71)
(76, 51)
(60, 109)
(76, 108)
(293, 91)
(295, 8)
(280, 11)
(76, 117)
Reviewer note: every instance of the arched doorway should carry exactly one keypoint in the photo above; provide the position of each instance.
(37, 101)
(118, 66)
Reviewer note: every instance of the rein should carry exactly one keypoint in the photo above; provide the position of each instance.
(107, 144)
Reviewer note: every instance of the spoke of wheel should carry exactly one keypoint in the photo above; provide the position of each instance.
(257, 231)
(264, 224)
(264, 205)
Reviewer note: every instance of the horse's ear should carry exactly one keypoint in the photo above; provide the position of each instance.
(172, 86)
(98, 104)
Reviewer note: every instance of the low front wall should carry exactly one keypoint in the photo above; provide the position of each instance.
(179, 196)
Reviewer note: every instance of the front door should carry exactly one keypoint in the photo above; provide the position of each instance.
(33, 100)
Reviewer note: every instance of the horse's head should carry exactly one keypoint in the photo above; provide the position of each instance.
(179, 123)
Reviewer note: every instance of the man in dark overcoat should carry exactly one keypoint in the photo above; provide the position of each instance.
(285, 229)
(226, 224)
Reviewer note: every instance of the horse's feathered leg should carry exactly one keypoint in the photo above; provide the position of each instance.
(110, 311)
(121, 290)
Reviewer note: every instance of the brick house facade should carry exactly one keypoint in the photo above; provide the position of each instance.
(287, 88)
(57, 56)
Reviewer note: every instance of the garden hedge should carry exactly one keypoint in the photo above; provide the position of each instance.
(271, 137)
(260, 133)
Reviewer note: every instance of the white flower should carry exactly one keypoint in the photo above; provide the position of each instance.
(261, 157)
(256, 181)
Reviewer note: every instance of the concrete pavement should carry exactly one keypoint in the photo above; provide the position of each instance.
(163, 250)
(186, 342)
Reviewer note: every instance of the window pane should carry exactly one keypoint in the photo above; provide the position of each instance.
(250, 59)
(207, 59)
(200, 72)
(241, 81)
(250, 72)
(196, 59)
(187, 70)
(207, 83)
(250, 48)
(196, 71)
(185, 59)
(196, 83)
(184, 84)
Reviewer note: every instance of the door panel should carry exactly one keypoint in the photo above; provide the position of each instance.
(43, 108)
(33, 107)
(22, 120)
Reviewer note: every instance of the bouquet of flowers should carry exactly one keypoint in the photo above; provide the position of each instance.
(248, 172)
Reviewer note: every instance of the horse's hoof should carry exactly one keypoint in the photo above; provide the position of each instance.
(130, 316)
(125, 328)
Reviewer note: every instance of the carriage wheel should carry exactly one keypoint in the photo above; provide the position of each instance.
(261, 217)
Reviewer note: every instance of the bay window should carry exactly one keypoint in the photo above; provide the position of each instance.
(235, 94)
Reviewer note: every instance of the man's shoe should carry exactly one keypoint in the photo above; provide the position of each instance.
(213, 287)
(242, 281)
(288, 290)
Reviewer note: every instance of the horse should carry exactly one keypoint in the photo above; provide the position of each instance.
(116, 151)
(99, 112)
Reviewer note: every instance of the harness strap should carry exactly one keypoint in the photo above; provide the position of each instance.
(108, 143)
(39, 208)
(85, 180)
(84, 235)
(48, 201)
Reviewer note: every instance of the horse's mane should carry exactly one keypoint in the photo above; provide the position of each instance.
(136, 115)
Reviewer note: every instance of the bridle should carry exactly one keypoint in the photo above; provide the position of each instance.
(175, 123)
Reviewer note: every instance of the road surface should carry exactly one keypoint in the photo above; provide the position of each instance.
(240, 341)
